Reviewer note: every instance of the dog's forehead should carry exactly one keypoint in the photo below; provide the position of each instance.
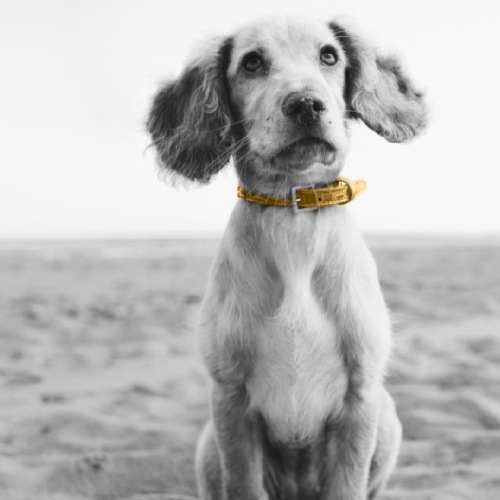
(278, 34)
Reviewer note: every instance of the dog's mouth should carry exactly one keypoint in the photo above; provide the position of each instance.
(308, 148)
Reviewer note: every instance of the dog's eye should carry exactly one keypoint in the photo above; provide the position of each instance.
(253, 62)
(328, 56)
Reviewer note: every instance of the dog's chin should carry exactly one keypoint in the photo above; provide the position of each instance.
(305, 152)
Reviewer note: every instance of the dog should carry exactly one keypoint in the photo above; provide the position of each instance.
(294, 329)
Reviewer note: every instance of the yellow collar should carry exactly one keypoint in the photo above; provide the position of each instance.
(342, 191)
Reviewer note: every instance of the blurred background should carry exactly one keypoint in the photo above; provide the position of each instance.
(103, 266)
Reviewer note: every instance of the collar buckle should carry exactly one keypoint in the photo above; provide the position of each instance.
(296, 199)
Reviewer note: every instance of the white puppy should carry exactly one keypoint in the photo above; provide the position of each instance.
(295, 331)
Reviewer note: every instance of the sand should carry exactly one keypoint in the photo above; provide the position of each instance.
(102, 394)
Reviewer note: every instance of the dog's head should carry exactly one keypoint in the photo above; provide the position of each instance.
(279, 97)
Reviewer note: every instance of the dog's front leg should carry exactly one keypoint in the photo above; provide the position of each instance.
(350, 447)
(240, 445)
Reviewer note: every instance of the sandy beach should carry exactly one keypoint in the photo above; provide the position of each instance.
(102, 394)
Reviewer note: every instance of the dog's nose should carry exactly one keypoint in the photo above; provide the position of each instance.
(304, 108)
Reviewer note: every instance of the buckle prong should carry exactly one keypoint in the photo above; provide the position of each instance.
(296, 200)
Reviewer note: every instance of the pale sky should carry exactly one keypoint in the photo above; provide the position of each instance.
(76, 79)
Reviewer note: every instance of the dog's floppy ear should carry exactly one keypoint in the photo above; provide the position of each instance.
(190, 118)
(378, 92)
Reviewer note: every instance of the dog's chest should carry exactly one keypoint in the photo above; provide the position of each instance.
(298, 378)
(301, 304)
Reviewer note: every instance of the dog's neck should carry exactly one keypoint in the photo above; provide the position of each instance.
(268, 180)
